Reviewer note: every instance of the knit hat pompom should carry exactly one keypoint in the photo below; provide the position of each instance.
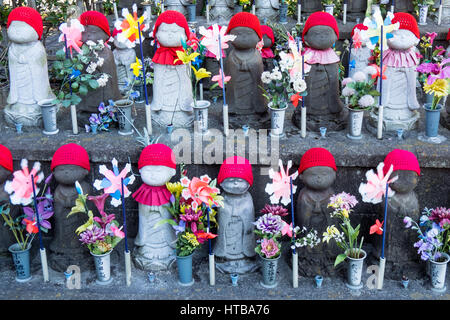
(28, 15)
(95, 18)
(407, 22)
(71, 154)
(317, 157)
(320, 18)
(169, 17)
(402, 160)
(157, 154)
(245, 19)
(235, 167)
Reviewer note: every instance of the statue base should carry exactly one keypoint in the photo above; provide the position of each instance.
(392, 124)
(333, 122)
(178, 118)
(29, 115)
(149, 261)
(240, 266)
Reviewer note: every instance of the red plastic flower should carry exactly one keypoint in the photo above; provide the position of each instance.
(295, 98)
(377, 227)
(203, 236)
(31, 226)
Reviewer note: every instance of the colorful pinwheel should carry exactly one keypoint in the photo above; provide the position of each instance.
(111, 183)
(127, 29)
(279, 189)
(210, 39)
(375, 188)
(73, 35)
(374, 25)
(21, 188)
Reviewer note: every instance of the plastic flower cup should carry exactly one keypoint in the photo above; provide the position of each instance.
(319, 280)
(234, 279)
(323, 131)
(169, 128)
(400, 133)
(68, 274)
(18, 127)
(405, 282)
(245, 128)
(151, 277)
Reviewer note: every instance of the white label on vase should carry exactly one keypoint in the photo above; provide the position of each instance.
(356, 123)
(423, 12)
(329, 9)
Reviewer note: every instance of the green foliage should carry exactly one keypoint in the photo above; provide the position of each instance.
(362, 89)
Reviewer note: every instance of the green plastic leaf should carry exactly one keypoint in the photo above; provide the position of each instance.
(83, 90)
(164, 221)
(65, 103)
(93, 84)
(75, 99)
(341, 257)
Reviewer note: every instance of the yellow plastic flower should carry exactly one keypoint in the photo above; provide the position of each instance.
(136, 67)
(331, 232)
(439, 88)
(186, 58)
(175, 188)
(201, 73)
(191, 238)
(344, 213)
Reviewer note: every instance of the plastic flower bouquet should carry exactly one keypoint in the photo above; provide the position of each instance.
(434, 236)
(347, 240)
(437, 82)
(268, 229)
(99, 234)
(190, 203)
(360, 91)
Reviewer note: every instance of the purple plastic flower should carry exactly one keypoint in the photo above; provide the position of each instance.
(347, 200)
(94, 119)
(101, 107)
(45, 208)
(180, 227)
(407, 221)
(192, 217)
(93, 235)
(275, 210)
(269, 224)
(440, 215)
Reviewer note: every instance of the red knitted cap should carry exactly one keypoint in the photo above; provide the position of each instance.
(407, 22)
(95, 18)
(169, 17)
(29, 16)
(359, 26)
(157, 154)
(448, 35)
(71, 153)
(317, 157)
(402, 160)
(6, 160)
(266, 30)
(245, 19)
(320, 18)
(236, 167)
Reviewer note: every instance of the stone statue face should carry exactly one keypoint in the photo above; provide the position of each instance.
(402, 40)
(267, 42)
(68, 173)
(4, 174)
(318, 178)
(93, 33)
(406, 182)
(156, 175)
(170, 35)
(246, 38)
(320, 37)
(21, 32)
(119, 45)
(235, 185)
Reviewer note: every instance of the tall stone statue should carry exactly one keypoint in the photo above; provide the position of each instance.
(267, 9)
(325, 108)
(96, 28)
(359, 58)
(244, 65)
(403, 258)
(235, 243)
(123, 58)
(266, 52)
(399, 89)
(172, 86)
(221, 10)
(155, 247)
(6, 169)
(318, 173)
(28, 70)
(70, 163)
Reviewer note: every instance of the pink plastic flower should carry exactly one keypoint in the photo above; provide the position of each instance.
(375, 188)
(117, 232)
(211, 39)
(287, 229)
(21, 188)
(269, 247)
(431, 36)
(357, 43)
(218, 78)
(280, 188)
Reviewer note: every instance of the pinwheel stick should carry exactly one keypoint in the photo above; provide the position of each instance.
(303, 109)
(212, 274)
(41, 245)
(127, 252)
(344, 18)
(299, 12)
(380, 107)
(207, 11)
(440, 13)
(225, 106)
(73, 109)
(294, 253)
(148, 113)
(380, 277)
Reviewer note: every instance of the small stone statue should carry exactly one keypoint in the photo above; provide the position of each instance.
(325, 108)
(235, 243)
(267, 9)
(244, 65)
(123, 58)
(318, 173)
(172, 87)
(266, 52)
(155, 247)
(359, 58)
(399, 89)
(70, 163)
(221, 10)
(28, 71)
(6, 169)
(96, 28)
(402, 256)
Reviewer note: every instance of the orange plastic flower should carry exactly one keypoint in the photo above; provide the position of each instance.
(31, 226)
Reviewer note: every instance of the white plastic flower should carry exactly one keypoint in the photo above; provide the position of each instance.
(347, 92)
(346, 81)
(366, 101)
(265, 77)
(299, 85)
(359, 76)
(91, 67)
(100, 61)
(102, 80)
(370, 70)
(276, 75)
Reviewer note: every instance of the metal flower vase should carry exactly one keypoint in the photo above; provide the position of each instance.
(21, 259)
(103, 267)
(124, 107)
(277, 122)
(185, 270)
(355, 123)
(437, 273)
(329, 8)
(354, 271)
(269, 272)
(432, 119)
(191, 9)
(423, 14)
(201, 116)
(49, 110)
(283, 13)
